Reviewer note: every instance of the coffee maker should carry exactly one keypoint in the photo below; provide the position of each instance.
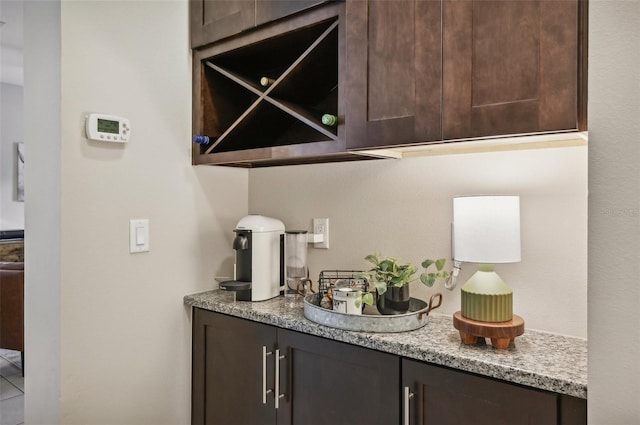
(259, 269)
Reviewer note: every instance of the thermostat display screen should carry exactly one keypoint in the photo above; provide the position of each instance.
(108, 126)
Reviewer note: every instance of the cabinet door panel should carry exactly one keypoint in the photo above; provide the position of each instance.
(509, 67)
(213, 20)
(328, 382)
(443, 396)
(270, 10)
(394, 72)
(227, 370)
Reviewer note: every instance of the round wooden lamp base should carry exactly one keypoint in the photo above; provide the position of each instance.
(501, 333)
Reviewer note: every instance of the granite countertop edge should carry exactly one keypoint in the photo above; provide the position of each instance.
(480, 359)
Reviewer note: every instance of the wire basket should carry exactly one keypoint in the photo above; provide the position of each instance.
(331, 279)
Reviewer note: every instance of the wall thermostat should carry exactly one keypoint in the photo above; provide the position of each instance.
(108, 128)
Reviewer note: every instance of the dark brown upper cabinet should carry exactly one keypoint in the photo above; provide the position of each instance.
(249, 123)
(213, 20)
(510, 67)
(394, 72)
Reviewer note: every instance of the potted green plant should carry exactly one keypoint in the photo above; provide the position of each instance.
(390, 279)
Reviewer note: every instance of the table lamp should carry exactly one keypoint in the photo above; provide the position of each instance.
(486, 230)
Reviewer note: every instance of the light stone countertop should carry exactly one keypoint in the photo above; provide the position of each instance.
(536, 359)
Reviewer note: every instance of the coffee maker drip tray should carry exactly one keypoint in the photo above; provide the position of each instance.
(242, 289)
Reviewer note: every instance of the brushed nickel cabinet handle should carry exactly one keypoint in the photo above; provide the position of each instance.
(265, 391)
(277, 394)
(407, 396)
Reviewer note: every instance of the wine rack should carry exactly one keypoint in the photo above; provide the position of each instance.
(272, 95)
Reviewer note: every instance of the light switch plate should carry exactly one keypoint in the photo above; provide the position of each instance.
(138, 235)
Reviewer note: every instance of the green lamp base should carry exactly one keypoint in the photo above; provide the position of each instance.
(486, 298)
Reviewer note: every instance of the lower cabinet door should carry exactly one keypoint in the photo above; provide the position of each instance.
(228, 370)
(333, 383)
(442, 396)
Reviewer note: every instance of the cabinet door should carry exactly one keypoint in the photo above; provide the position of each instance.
(227, 383)
(270, 10)
(212, 20)
(443, 396)
(394, 70)
(509, 67)
(328, 382)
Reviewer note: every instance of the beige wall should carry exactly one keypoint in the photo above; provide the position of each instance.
(124, 333)
(403, 208)
(614, 212)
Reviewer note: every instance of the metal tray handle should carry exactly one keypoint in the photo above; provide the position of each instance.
(430, 306)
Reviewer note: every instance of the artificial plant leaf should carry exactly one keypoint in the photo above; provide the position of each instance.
(384, 265)
(428, 279)
(367, 298)
(362, 275)
(381, 287)
(440, 263)
(426, 263)
(372, 258)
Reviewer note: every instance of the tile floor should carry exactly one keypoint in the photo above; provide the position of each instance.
(11, 388)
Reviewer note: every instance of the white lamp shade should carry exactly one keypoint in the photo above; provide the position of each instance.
(486, 229)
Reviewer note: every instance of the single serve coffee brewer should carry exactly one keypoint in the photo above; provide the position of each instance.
(259, 245)
(268, 260)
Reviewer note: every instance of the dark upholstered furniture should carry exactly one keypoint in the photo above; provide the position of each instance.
(12, 306)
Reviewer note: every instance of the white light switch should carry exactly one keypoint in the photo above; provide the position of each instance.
(138, 235)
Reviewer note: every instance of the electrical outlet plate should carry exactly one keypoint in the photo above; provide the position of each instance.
(321, 227)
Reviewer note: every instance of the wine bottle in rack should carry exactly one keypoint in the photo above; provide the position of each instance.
(266, 81)
(201, 140)
(329, 120)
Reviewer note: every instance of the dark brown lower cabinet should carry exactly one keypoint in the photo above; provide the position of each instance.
(438, 395)
(333, 383)
(241, 367)
(249, 373)
(227, 370)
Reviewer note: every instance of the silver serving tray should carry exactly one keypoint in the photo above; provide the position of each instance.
(415, 318)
